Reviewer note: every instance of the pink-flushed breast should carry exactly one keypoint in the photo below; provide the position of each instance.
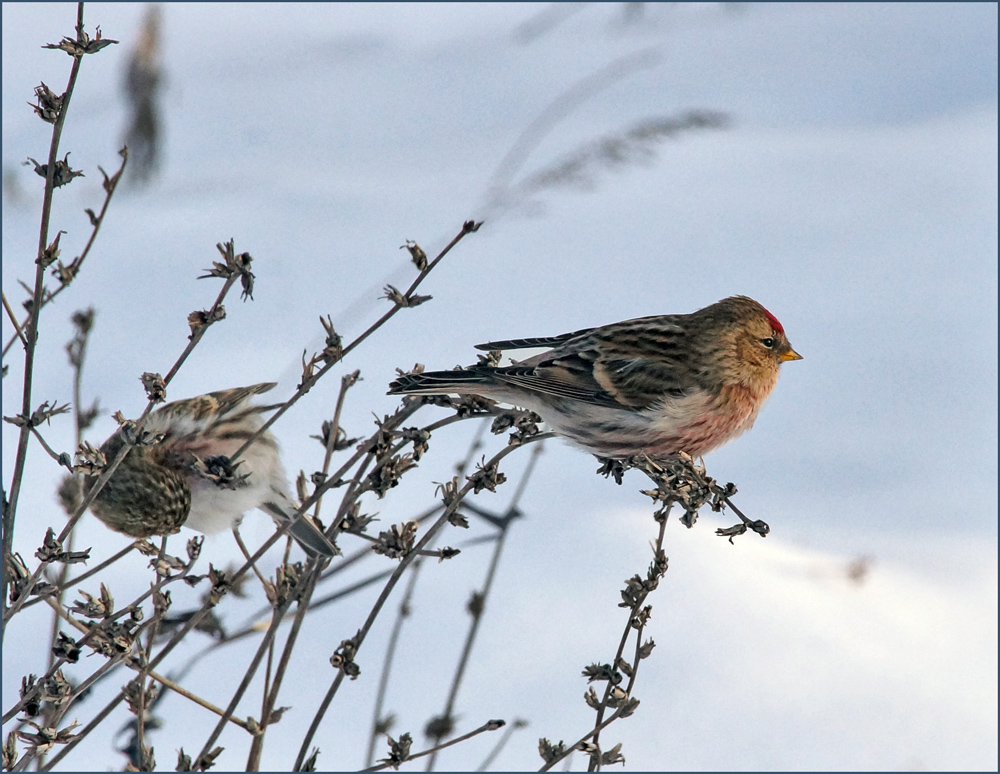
(696, 424)
(727, 415)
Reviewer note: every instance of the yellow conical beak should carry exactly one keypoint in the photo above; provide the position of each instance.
(791, 354)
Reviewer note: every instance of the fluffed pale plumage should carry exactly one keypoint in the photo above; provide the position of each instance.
(653, 385)
(163, 486)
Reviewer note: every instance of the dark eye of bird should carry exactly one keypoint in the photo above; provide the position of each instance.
(768, 342)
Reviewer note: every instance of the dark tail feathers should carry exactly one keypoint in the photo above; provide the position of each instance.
(440, 382)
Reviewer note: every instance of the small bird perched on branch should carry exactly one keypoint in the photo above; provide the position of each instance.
(186, 478)
(653, 385)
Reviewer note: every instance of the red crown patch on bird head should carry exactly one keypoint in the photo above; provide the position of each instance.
(774, 322)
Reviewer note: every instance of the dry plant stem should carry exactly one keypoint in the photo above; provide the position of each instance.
(357, 488)
(165, 681)
(352, 495)
(245, 682)
(181, 691)
(432, 552)
(188, 626)
(30, 585)
(489, 725)
(18, 333)
(257, 742)
(307, 384)
(91, 679)
(501, 743)
(250, 563)
(113, 465)
(252, 629)
(594, 731)
(48, 449)
(31, 328)
(743, 517)
(354, 490)
(594, 764)
(364, 449)
(94, 677)
(100, 627)
(60, 581)
(470, 638)
(99, 718)
(387, 590)
(29, 756)
(246, 555)
(270, 695)
(176, 639)
(74, 266)
(77, 365)
(477, 617)
(346, 382)
(36, 574)
(140, 726)
(322, 602)
(58, 590)
(398, 419)
(109, 470)
(362, 553)
(262, 649)
(383, 682)
(276, 620)
(199, 332)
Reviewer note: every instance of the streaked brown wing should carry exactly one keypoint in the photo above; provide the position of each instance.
(630, 365)
(639, 383)
(217, 404)
(558, 381)
(229, 399)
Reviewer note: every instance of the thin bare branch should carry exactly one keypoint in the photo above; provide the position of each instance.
(489, 725)
(477, 605)
(31, 328)
(467, 228)
(18, 333)
(359, 638)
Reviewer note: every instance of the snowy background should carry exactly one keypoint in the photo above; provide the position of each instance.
(854, 194)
